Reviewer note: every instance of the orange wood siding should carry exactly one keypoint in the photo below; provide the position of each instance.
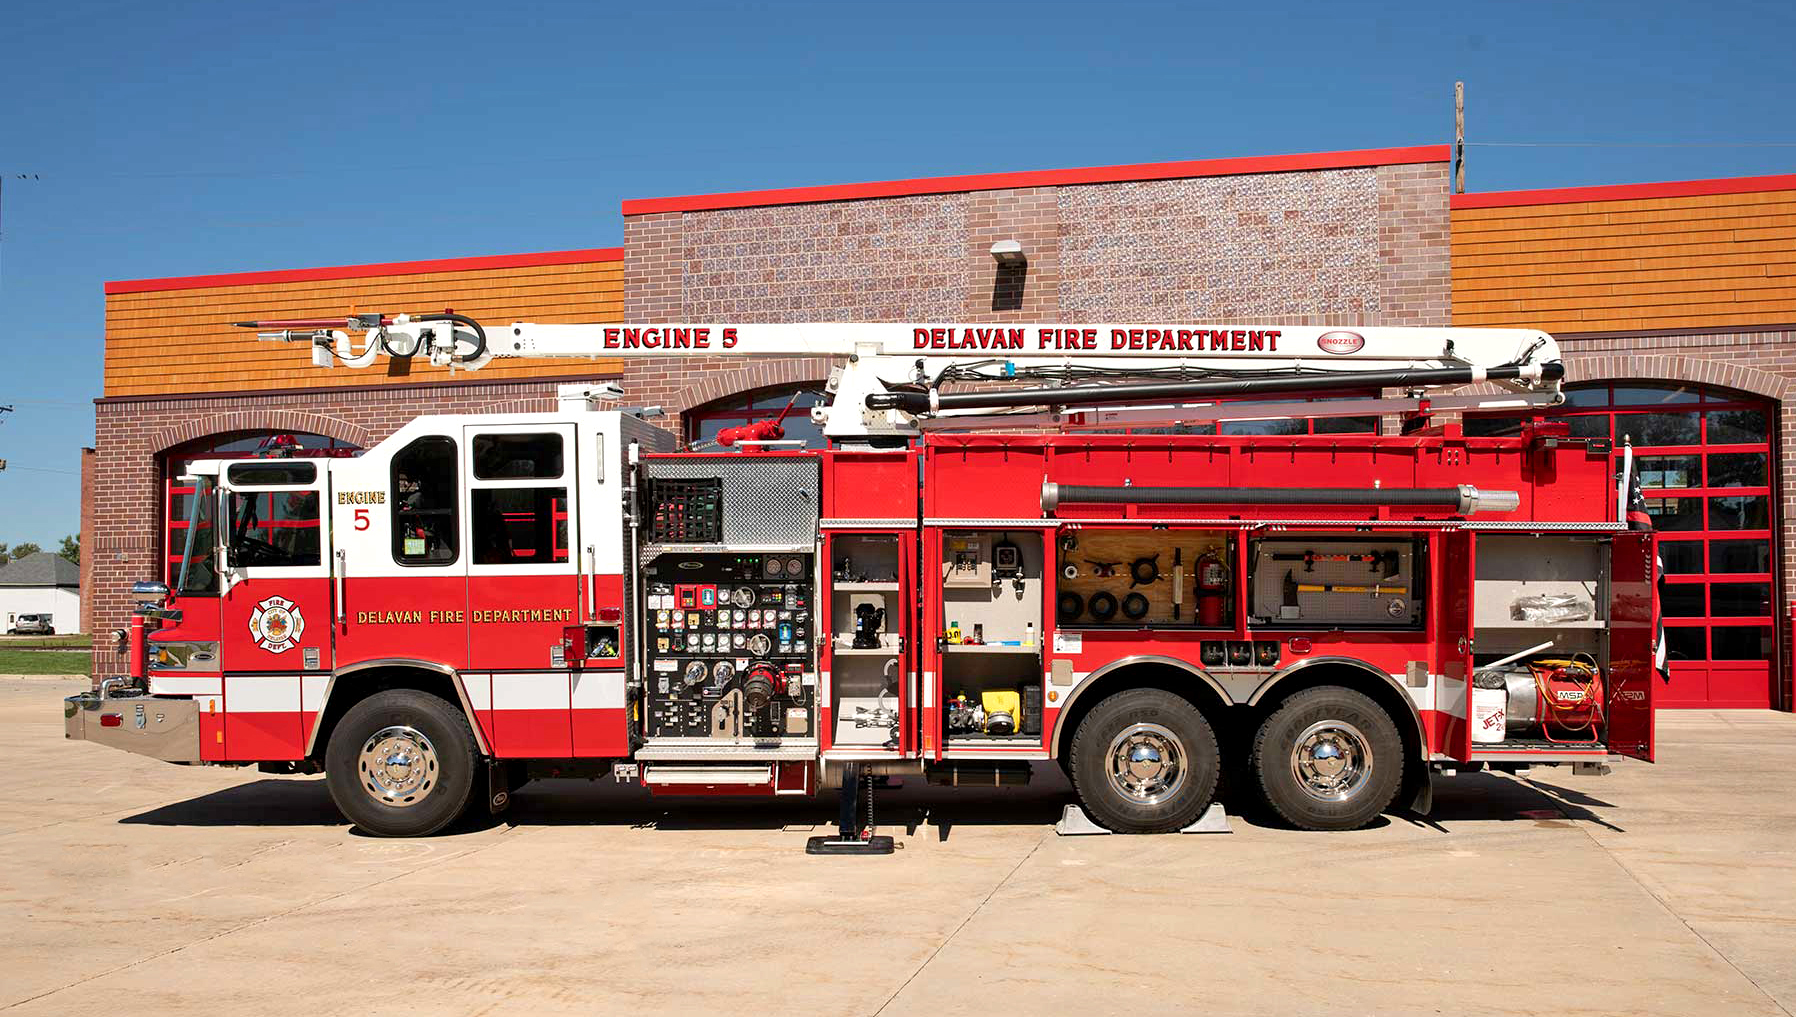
(1608, 266)
(181, 342)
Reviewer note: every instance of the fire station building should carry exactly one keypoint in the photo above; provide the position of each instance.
(1675, 306)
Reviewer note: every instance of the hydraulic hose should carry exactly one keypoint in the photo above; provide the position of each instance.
(460, 319)
(1463, 499)
(919, 402)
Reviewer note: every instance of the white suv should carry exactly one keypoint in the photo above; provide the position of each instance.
(32, 625)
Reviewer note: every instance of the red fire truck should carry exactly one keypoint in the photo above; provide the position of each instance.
(1016, 550)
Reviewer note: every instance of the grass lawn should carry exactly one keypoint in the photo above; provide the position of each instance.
(78, 641)
(43, 662)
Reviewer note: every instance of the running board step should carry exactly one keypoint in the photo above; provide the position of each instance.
(690, 776)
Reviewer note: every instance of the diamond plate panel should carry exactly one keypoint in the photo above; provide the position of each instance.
(766, 499)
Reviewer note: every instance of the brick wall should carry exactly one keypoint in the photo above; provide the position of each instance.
(122, 512)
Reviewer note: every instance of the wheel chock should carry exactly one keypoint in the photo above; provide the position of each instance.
(1076, 822)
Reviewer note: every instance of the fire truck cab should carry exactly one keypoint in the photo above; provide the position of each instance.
(483, 599)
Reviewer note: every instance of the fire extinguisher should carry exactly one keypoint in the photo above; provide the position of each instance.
(1212, 580)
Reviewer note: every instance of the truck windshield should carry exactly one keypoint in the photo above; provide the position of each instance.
(199, 574)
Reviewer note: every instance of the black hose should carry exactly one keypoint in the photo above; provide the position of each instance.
(459, 319)
(1102, 605)
(1315, 381)
(1464, 499)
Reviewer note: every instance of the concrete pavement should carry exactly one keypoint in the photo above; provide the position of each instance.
(136, 887)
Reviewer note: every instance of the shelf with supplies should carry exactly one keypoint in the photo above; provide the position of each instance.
(889, 646)
(864, 587)
(989, 648)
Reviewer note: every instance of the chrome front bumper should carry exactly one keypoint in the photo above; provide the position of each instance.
(165, 729)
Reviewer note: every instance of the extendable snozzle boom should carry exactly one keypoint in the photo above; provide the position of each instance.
(895, 380)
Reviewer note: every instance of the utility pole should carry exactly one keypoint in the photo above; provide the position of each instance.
(1459, 137)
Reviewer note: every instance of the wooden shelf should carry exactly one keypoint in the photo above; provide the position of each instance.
(891, 587)
(989, 648)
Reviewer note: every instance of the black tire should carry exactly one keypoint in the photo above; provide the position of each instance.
(1159, 720)
(425, 732)
(1354, 759)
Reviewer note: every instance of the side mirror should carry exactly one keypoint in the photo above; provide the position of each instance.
(150, 592)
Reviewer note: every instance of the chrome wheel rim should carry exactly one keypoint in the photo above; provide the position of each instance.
(398, 766)
(1147, 764)
(1332, 761)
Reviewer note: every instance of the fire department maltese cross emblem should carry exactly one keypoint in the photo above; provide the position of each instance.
(276, 624)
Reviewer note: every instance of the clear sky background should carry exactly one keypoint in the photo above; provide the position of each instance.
(186, 138)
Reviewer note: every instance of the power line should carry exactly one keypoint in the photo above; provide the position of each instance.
(1631, 144)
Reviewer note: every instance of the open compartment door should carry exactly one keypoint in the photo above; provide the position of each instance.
(1448, 727)
(1633, 614)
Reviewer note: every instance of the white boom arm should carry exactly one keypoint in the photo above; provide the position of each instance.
(891, 377)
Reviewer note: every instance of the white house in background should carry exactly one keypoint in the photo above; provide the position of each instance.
(41, 583)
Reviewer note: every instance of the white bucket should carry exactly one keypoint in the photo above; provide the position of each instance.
(1490, 709)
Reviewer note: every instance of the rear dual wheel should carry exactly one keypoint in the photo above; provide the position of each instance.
(1145, 761)
(1329, 759)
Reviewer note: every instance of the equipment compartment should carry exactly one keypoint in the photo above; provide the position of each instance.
(867, 625)
(1144, 578)
(1336, 582)
(1544, 678)
(990, 638)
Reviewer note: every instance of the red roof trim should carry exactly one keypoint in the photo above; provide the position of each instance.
(1625, 192)
(190, 282)
(1044, 178)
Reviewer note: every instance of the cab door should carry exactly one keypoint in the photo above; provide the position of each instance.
(1632, 635)
(524, 585)
(277, 608)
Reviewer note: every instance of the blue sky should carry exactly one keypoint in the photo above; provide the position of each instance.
(187, 138)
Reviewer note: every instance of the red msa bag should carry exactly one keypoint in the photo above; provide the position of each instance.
(1570, 699)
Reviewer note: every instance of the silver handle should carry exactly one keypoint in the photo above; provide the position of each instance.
(592, 582)
(337, 581)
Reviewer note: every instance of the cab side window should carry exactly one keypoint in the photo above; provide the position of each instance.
(517, 523)
(425, 522)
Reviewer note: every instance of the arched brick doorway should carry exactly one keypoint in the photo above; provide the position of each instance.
(1705, 459)
(241, 444)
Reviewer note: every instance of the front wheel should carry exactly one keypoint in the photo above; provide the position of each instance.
(1329, 759)
(1145, 761)
(401, 763)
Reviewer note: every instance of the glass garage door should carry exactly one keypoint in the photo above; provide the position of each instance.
(1705, 464)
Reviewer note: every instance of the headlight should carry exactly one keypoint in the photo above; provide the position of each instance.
(177, 656)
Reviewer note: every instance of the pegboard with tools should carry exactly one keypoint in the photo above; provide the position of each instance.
(1143, 578)
(1335, 582)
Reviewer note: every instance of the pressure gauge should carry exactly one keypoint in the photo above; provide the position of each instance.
(794, 567)
(739, 640)
(743, 596)
(722, 671)
(695, 672)
(739, 618)
(760, 645)
(770, 567)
